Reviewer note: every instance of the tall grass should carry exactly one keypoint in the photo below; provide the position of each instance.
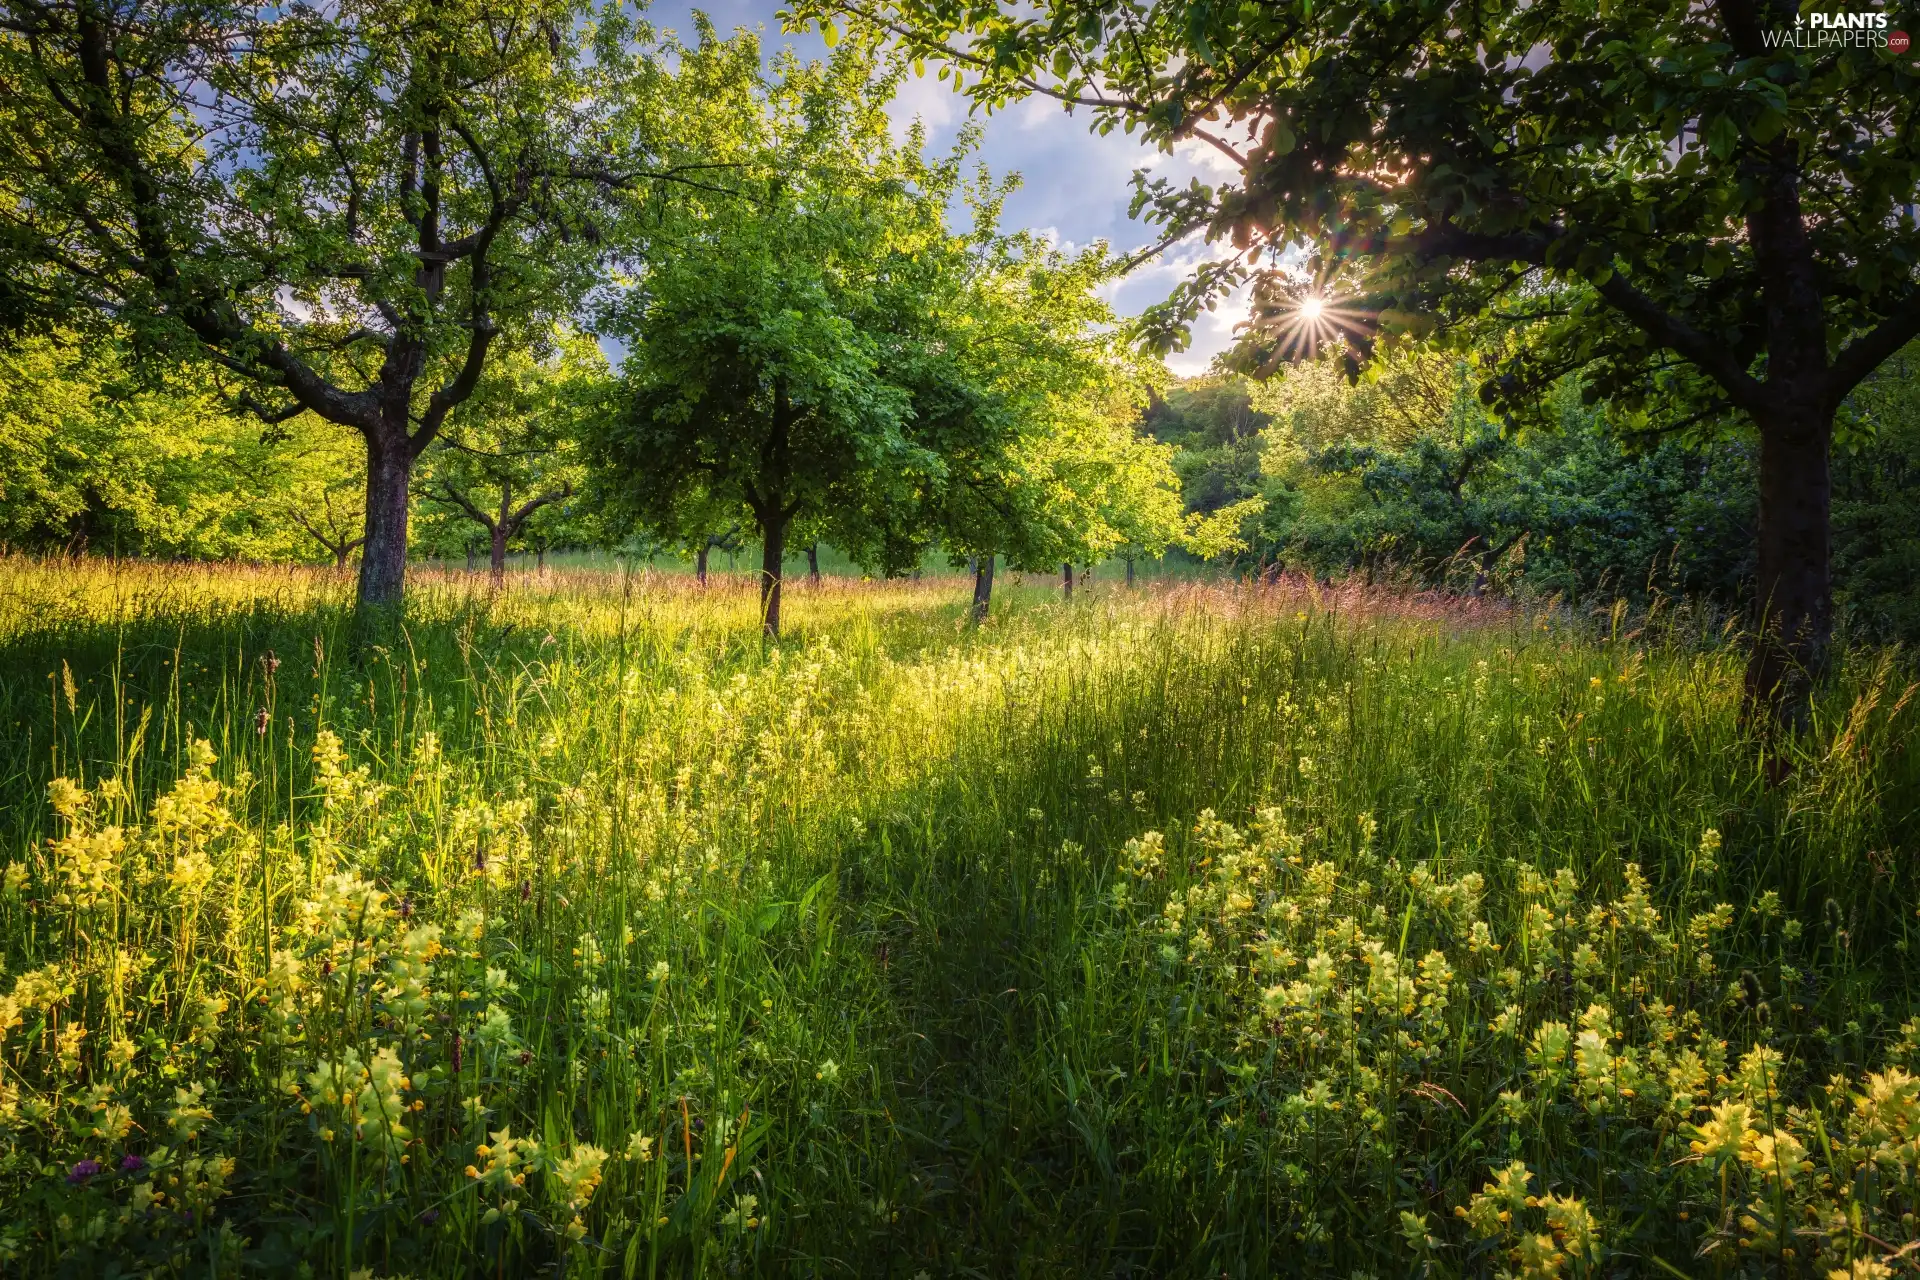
(1178, 931)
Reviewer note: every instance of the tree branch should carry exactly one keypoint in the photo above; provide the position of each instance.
(520, 517)
(1712, 357)
(450, 494)
(1869, 351)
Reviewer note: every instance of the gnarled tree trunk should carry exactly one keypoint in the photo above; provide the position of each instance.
(1066, 579)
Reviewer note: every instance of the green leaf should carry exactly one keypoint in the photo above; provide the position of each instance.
(1722, 136)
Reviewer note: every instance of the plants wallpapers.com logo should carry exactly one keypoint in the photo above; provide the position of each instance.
(1838, 31)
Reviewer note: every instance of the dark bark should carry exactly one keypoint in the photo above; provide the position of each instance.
(700, 564)
(1794, 589)
(383, 561)
(1794, 601)
(982, 588)
(1066, 578)
(773, 550)
(469, 555)
(497, 554)
(1129, 570)
(813, 564)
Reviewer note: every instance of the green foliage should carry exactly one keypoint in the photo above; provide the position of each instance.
(98, 451)
(1220, 930)
(777, 332)
(1217, 430)
(1705, 218)
(1427, 152)
(508, 461)
(443, 175)
(1876, 491)
(1405, 469)
(814, 344)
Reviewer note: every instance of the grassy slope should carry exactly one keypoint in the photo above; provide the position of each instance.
(922, 1000)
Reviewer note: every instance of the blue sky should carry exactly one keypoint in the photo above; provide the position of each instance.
(1076, 184)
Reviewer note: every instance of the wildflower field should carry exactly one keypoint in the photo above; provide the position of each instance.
(1180, 931)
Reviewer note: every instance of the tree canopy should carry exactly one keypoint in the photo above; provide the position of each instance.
(815, 343)
(1693, 212)
(340, 208)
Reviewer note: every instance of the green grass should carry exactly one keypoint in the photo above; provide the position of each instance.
(1184, 931)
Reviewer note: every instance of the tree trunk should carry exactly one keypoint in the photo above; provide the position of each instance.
(700, 565)
(383, 559)
(540, 558)
(469, 555)
(1794, 590)
(1129, 571)
(773, 550)
(982, 588)
(1066, 578)
(497, 537)
(813, 564)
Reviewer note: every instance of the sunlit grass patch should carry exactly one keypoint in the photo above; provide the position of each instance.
(1177, 931)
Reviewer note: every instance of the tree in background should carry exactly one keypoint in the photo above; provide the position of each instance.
(350, 249)
(1031, 424)
(101, 451)
(779, 333)
(1212, 422)
(329, 505)
(508, 457)
(1726, 217)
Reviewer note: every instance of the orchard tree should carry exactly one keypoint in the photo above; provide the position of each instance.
(777, 329)
(1703, 212)
(509, 455)
(341, 206)
(1031, 420)
(330, 521)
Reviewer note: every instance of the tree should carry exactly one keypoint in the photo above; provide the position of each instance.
(1039, 461)
(1701, 214)
(508, 456)
(97, 450)
(329, 518)
(340, 207)
(777, 333)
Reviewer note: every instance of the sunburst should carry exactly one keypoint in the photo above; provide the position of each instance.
(1295, 317)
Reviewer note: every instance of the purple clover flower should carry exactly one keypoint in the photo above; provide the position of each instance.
(82, 1171)
(131, 1163)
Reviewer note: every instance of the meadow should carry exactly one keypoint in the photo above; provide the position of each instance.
(1188, 930)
